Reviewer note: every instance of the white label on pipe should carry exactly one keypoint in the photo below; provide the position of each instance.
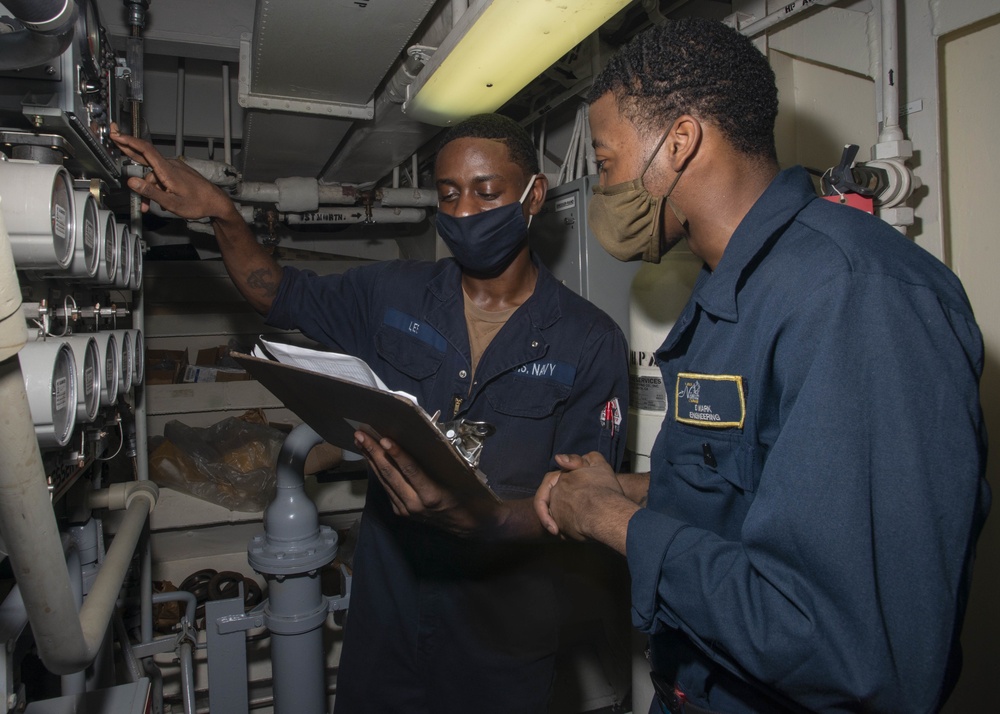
(59, 221)
(88, 234)
(60, 392)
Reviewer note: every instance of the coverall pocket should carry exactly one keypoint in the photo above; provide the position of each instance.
(409, 355)
(525, 397)
(706, 457)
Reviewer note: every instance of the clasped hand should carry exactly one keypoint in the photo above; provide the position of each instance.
(568, 500)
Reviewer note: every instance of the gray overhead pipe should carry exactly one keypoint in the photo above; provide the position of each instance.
(43, 32)
(289, 554)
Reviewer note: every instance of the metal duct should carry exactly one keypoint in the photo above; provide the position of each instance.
(45, 32)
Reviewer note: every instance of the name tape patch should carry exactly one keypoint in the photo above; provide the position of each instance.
(415, 328)
(550, 370)
(710, 400)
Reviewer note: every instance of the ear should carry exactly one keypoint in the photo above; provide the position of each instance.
(683, 141)
(536, 196)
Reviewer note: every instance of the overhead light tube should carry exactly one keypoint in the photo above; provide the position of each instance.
(495, 49)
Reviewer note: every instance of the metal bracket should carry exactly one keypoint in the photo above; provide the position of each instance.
(278, 103)
(468, 437)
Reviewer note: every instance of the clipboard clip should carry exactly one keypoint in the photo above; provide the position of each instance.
(468, 437)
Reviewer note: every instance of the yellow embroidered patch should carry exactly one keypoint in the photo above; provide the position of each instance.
(715, 401)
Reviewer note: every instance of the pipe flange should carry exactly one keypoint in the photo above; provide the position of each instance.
(292, 558)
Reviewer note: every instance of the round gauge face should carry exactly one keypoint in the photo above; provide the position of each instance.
(88, 30)
(93, 30)
(61, 207)
(125, 258)
(110, 256)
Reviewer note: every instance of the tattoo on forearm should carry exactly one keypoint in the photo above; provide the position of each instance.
(262, 281)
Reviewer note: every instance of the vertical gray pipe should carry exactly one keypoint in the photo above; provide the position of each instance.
(298, 662)
(290, 553)
(187, 677)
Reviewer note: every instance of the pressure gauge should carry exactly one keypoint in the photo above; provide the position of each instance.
(86, 254)
(49, 371)
(126, 348)
(88, 32)
(138, 357)
(40, 214)
(107, 267)
(124, 278)
(107, 347)
(88, 375)
(136, 282)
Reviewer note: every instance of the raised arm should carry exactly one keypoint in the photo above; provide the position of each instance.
(184, 192)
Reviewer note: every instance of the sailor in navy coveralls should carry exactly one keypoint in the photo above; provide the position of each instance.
(804, 541)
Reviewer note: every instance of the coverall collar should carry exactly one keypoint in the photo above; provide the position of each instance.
(789, 192)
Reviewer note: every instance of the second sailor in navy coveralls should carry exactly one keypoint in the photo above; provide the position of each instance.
(440, 622)
(805, 539)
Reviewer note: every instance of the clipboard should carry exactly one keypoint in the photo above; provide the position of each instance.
(333, 407)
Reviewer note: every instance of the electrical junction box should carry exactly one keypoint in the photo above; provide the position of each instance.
(562, 238)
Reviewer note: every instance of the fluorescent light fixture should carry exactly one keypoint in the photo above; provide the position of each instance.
(495, 49)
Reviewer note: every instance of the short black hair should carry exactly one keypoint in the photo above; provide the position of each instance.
(499, 128)
(699, 67)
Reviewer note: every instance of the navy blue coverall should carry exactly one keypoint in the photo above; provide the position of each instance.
(439, 623)
(818, 482)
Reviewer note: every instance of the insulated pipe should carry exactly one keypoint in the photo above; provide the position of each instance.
(13, 331)
(290, 553)
(356, 215)
(227, 132)
(48, 30)
(75, 683)
(218, 172)
(416, 197)
(296, 191)
(891, 130)
(179, 121)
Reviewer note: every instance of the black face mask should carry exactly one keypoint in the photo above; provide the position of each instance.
(486, 243)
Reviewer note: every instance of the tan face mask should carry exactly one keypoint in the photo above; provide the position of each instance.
(627, 220)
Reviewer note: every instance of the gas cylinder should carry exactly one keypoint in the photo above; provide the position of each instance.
(658, 294)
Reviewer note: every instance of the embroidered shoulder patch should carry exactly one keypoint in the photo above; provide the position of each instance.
(710, 400)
